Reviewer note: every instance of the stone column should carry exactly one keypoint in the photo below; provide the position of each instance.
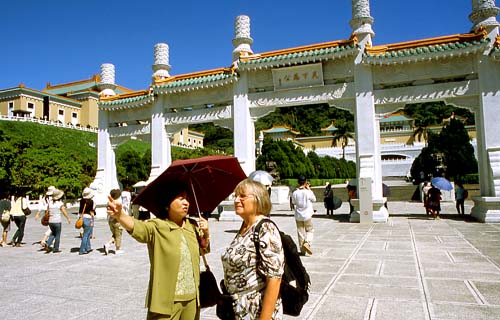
(242, 40)
(243, 127)
(484, 13)
(368, 161)
(161, 156)
(105, 178)
(161, 64)
(361, 22)
(107, 84)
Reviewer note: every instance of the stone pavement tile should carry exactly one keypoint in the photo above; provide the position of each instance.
(363, 267)
(385, 255)
(390, 281)
(330, 265)
(398, 309)
(400, 245)
(375, 291)
(338, 253)
(454, 311)
(341, 308)
(320, 281)
(401, 268)
(489, 291)
(455, 291)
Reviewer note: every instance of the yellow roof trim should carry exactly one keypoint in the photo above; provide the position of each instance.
(464, 37)
(125, 95)
(281, 126)
(197, 74)
(95, 78)
(246, 56)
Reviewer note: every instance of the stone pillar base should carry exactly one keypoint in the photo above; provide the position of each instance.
(486, 209)
(380, 213)
(280, 195)
(226, 211)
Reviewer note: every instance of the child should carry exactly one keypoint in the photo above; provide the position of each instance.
(115, 227)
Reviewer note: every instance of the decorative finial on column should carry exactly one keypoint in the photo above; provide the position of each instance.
(161, 65)
(361, 22)
(242, 39)
(107, 85)
(484, 13)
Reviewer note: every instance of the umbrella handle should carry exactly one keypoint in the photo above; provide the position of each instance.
(195, 200)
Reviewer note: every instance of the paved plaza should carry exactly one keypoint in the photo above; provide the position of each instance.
(411, 267)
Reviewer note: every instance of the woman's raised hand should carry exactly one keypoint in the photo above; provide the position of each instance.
(114, 208)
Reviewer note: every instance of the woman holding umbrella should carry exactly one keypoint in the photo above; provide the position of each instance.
(174, 244)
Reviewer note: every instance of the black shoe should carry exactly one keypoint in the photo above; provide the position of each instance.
(57, 251)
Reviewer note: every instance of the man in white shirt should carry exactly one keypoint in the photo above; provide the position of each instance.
(302, 198)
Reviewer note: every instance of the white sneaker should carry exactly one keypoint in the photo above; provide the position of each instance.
(106, 250)
(119, 251)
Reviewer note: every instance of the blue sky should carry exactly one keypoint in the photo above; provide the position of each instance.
(60, 41)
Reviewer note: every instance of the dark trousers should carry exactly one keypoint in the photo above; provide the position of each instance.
(20, 223)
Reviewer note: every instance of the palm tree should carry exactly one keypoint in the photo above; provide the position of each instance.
(422, 130)
(341, 136)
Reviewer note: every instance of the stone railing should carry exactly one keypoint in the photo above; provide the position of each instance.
(50, 123)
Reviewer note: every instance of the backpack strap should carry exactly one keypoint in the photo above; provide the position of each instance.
(256, 238)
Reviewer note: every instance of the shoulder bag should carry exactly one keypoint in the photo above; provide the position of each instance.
(27, 210)
(79, 222)
(45, 219)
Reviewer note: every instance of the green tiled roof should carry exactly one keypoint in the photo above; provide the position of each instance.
(395, 119)
(430, 49)
(131, 101)
(195, 81)
(72, 88)
(306, 54)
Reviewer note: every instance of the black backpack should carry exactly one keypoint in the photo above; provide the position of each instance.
(295, 282)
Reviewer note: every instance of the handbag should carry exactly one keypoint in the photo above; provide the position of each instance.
(45, 219)
(209, 291)
(27, 210)
(5, 216)
(79, 221)
(224, 309)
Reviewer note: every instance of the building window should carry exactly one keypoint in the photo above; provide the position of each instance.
(11, 105)
(61, 112)
(31, 106)
(74, 115)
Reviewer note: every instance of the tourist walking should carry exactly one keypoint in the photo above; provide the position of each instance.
(56, 207)
(328, 199)
(256, 282)
(114, 226)
(460, 196)
(174, 254)
(434, 202)
(42, 208)
(19, 218)
(5, 207)
(425, 190)
(303, 199)
(87, 210)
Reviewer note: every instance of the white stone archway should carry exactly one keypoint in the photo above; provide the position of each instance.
(369, 81)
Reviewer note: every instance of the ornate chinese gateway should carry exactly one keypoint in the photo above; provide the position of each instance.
(353, 74)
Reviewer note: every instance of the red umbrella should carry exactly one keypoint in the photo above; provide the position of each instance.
(208, 180)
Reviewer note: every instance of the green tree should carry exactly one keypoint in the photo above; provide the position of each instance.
(454, 143)
(342, 135)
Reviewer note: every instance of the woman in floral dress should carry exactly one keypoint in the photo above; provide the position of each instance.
(254, 285)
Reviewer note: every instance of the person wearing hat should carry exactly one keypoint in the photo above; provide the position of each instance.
(56, 207)
(302, 199)
(42, 207)
(87, 209)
